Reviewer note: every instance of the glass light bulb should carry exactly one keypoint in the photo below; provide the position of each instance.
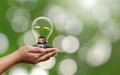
(42, 27)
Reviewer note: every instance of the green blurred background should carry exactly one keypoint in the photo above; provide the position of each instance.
(86, 32)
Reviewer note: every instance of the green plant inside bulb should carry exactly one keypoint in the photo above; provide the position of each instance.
(42, 28)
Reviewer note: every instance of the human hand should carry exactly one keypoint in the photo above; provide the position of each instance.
(33, 55)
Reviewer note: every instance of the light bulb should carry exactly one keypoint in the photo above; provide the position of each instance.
(42, 29)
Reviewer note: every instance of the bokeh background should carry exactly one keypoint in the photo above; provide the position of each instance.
(86, 32)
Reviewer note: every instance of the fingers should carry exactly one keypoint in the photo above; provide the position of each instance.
(46, 56)
(47, 53)
(31, 54)
(33, 59)
(50, 50)
(36, 50)
(40, 54)
(41, 50)
(35, 55)
(39, 57)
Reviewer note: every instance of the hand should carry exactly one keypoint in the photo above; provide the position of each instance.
(26, 54)
(33, 55)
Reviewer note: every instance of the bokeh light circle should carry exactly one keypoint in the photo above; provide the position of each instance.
(28, 4)
(70, 44)
(18, 71)
(57, 15)
(99, 53)
(57, 42)
(101, 13)
(110, 30)
(4, 43)
(87, 4)
(16, 11)
(65, 21)
(19, 18)
(21, 41)
(20, 24)
(10, 13)
(47, 64)
(68, 67)
(72, 25)
(38, 71)
(29, 38)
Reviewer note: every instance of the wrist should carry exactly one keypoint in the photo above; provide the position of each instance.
(17, 57)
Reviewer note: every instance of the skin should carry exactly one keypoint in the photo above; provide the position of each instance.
(26, 54)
